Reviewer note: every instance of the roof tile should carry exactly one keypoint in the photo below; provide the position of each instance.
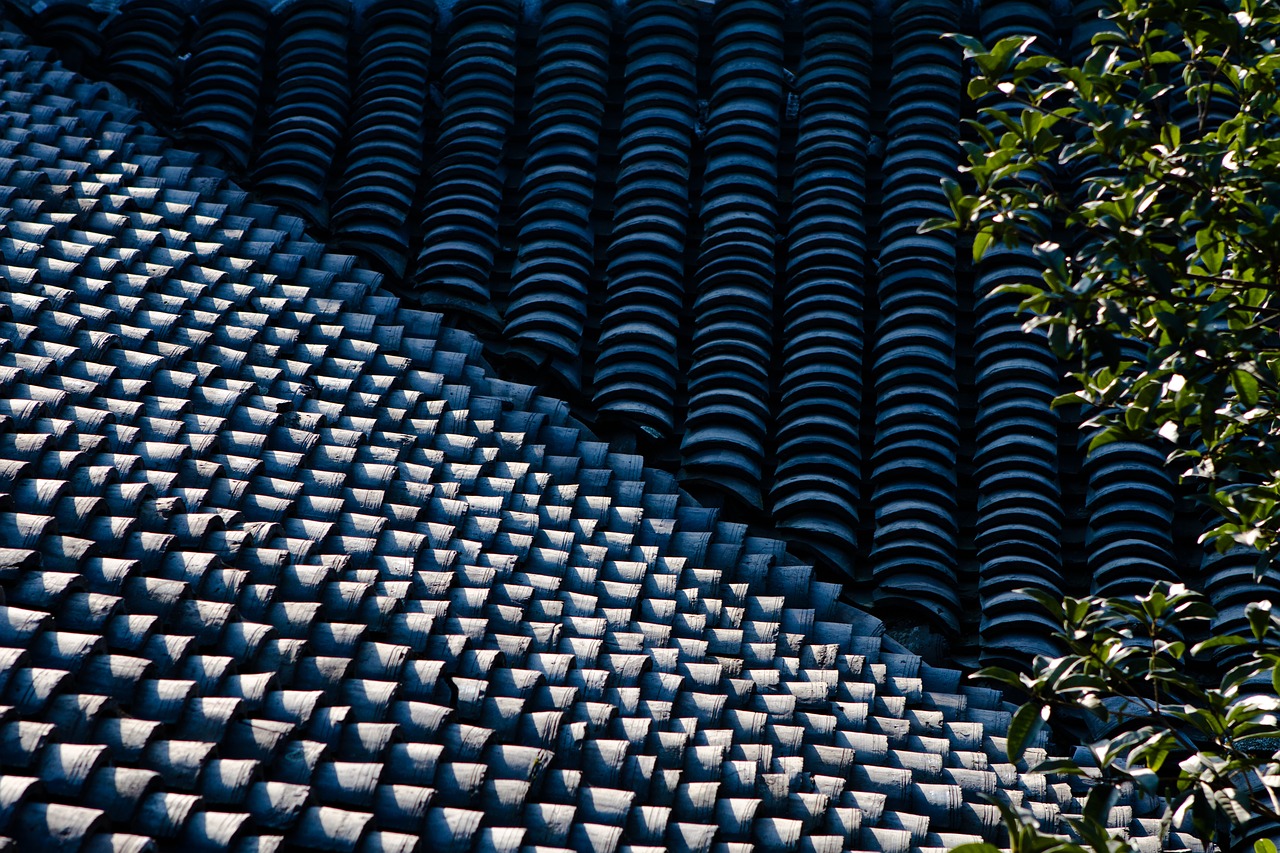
(289, 564)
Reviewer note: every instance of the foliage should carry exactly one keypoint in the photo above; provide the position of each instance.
(1131, 664)
(1147, 178)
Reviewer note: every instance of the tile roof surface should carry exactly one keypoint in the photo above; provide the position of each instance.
(286, 564)
(697, 222)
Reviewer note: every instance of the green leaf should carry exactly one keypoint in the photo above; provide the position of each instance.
(1213, 252)
(1072, 399)
(971, 45)
(981, 243)
(977, 847)
(1218, 642)
(1134, 417)
(1099, 803)
(1103, 438)
(1002, 55)
(1246, 385)
(1000, 674)
(1259, 615)
(1054, 606)
(1064, 766)
(1026, 724)
(937, 223)
(980, 86)
(1146, 779)
(1262, 846)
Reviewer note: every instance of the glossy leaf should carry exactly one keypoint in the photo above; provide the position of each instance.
(1026, 724)
(1161, 289)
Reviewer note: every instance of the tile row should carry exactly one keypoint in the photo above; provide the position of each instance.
(287, 566)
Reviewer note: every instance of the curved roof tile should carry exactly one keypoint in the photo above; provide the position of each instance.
(543, 166)
(287, 564)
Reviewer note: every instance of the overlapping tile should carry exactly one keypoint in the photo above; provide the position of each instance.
(696, 221)
(287, 565)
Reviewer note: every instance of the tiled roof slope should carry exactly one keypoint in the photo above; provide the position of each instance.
(702, 218)
(284, 565)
